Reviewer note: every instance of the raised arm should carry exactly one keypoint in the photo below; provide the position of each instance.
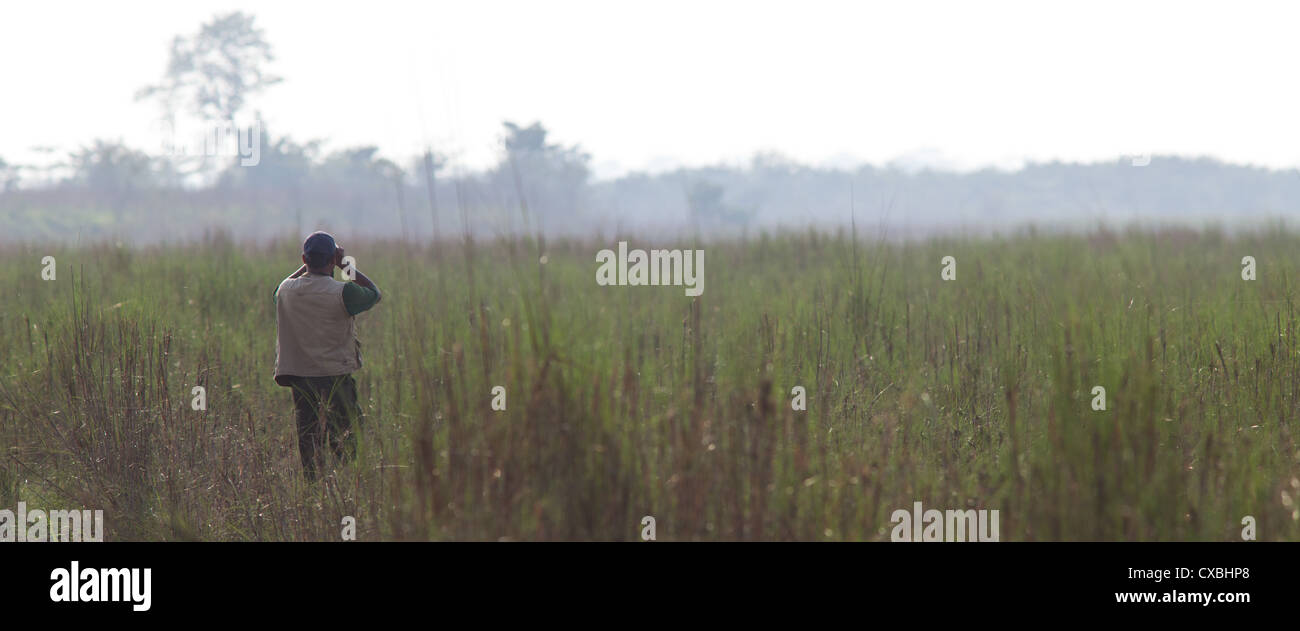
(365, 281)
(361, 279)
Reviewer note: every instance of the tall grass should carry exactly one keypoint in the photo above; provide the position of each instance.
(632, 401)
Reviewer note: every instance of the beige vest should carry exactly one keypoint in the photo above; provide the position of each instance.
(315, 336)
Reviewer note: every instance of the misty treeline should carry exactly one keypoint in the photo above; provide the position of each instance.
(114, 192)
(108, 190)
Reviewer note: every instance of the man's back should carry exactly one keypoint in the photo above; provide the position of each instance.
(315, 334)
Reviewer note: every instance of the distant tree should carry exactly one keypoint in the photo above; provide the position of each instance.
(772, 163)
(112, 171)
(214, 71)
(549, 179)
(708, 208)
(212, 74)
(355, 166)
(110, 166)
(281, 178)
(49, 169)
(357, 180)
(285, 164)
(530, 139)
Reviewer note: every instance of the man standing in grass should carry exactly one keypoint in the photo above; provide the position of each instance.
(316, 349)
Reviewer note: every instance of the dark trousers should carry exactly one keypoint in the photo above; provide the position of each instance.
(327, 413)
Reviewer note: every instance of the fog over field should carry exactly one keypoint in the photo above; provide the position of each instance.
(221, 117)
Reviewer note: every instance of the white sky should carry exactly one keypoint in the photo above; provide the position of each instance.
(650, 84)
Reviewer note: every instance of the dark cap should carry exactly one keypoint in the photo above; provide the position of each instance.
(319, 243)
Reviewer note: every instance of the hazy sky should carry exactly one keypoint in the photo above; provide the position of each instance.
(650, 84)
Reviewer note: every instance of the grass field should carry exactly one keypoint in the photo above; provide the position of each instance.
(631, 401)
